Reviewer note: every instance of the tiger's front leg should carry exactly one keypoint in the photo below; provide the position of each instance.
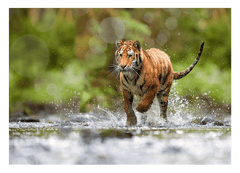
(146, 102)
(128, 100)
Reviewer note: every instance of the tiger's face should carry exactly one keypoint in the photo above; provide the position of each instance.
(128, 57)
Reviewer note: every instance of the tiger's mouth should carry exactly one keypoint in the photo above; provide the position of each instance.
(127, 70)
(124, 68)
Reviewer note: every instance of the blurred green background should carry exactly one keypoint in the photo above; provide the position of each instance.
(59, 55)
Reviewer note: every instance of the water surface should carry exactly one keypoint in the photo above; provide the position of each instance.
(101, 137)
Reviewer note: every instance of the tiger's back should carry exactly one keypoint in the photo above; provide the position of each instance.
(161, 65)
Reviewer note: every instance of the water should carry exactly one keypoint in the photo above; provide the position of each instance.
(198, 132)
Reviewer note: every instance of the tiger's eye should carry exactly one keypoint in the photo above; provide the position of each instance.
(120, 53)
(130, 53)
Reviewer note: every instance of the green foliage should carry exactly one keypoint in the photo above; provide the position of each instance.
(208, 80)
(50, 61)
(212, 74)
(36, 62)
(134, 28)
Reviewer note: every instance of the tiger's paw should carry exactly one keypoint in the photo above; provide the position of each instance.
(131, 121)
(143, 107)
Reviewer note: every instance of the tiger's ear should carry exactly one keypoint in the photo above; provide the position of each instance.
(118, 43)
(137, 45)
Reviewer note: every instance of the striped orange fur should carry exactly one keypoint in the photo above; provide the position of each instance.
(146, 74)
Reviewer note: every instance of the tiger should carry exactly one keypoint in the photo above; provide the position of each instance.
(146, 73)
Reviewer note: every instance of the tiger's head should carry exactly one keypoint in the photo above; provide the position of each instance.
(128, 56)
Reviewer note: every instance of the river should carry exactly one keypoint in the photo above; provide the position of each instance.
(101, 137)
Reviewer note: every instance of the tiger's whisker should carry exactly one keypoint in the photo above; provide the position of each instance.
(111, 70)
(114, 72)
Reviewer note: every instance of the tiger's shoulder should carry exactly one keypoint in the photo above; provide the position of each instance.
(154, 52)
(158, 56)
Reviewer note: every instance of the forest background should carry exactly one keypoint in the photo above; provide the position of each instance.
(62, 55)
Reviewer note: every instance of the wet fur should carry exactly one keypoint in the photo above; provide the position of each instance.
(147, 74)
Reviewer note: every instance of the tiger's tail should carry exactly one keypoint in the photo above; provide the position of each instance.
(179, 75)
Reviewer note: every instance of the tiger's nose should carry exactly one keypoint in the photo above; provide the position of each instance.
(123, 66)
